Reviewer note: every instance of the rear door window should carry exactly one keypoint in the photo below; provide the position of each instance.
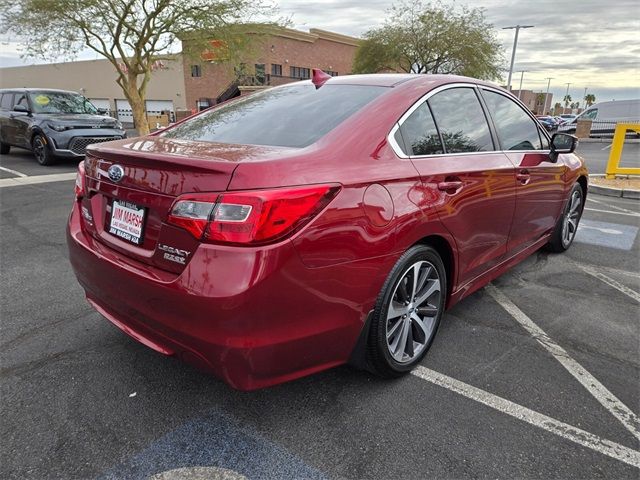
(461, 120)
(420, 134)
(515, 128)
(6, 103)
(292, 116)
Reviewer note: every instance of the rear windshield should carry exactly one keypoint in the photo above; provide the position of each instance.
(292, 116)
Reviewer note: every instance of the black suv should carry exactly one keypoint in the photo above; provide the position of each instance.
(52, 123)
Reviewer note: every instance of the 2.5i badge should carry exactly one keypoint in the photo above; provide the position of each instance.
(173, 254)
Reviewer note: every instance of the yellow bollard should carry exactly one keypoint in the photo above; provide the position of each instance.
(613, 165)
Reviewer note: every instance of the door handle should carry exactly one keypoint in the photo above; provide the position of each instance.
(523, 176)
(451, 187)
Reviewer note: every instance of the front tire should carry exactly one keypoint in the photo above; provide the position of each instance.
(407, 313)
(41, 151)
(567, 225)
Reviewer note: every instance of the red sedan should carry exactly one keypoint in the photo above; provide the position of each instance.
(319, 223)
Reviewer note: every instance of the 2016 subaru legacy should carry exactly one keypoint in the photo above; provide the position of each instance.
(52, 123)
(319, 223)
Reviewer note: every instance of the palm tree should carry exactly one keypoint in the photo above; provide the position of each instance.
(557, 107)
(567, 100)
(590, 99)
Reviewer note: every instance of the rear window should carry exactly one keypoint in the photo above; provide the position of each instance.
(293, 116)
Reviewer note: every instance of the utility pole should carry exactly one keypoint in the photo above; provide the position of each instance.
(546, 97)
(584, 97)
(513, 53)
(520, 90)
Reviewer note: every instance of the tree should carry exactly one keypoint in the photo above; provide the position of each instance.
(422, 37)
(132, 34)
(566, 100)
(589, 99)
(541, 102)
(557, 107)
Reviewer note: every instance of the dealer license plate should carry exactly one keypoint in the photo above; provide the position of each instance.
(127, 221)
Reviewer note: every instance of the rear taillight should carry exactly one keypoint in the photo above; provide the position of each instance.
(79, 186)
(252, 217)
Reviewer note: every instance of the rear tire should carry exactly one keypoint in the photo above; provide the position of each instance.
(407, 313)
(41, 151)
(4, 148)
(567, 225)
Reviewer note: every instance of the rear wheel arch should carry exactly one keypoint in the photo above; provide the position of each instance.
(444, 249)
(582, 180)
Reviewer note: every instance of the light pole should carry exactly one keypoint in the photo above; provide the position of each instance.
(584, 97)
(546, 97)
(521, 76)
(513, 53)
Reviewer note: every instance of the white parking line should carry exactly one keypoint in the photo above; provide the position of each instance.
(588, 381)
(13, 172)
(594, 272)
(605, 148)
(16, 182)
(615, 207)
(564, 430)
(632, 214)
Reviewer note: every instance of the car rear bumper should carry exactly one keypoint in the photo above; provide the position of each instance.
(253, 317)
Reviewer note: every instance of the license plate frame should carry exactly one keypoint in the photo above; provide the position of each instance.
(127, 221)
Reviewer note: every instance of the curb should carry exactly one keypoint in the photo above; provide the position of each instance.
(612, 192)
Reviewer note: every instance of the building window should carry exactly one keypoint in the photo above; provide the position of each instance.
(331, 72)
(196, 71)
(276, 70)
(299, 72)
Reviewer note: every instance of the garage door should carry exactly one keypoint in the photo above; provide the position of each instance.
(156, 107)
(123, 111)
(101, 103)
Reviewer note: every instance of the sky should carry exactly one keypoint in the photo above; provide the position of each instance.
(589, 44)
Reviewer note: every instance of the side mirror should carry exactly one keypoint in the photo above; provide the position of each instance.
(562, 143)
(20, 108)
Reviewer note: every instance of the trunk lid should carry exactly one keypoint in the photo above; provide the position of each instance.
(128, 214)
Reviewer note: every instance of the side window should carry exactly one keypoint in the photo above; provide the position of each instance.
(591, 114)
(7, 101)
(461, 121)
(420, 134)
(21, 99)
(516, 130)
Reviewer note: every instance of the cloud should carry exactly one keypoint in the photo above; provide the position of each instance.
(588, 43)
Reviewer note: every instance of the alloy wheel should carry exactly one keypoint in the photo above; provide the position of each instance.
(412, 312)
(571, 218)
(38, 150)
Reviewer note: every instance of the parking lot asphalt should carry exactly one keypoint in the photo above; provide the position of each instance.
(535, 376)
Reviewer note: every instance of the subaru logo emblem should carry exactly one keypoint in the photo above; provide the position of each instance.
(116, 172)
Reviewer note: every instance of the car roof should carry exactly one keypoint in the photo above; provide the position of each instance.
(396, 79)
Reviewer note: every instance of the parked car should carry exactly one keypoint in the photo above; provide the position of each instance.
(547, 122)
(52, 123)
(567, 117)
(265, 251)
(605, 115)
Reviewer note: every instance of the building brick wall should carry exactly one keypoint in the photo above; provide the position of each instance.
(288, 48)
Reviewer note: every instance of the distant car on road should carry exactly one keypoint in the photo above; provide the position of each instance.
(52, 123)
(547, 122)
